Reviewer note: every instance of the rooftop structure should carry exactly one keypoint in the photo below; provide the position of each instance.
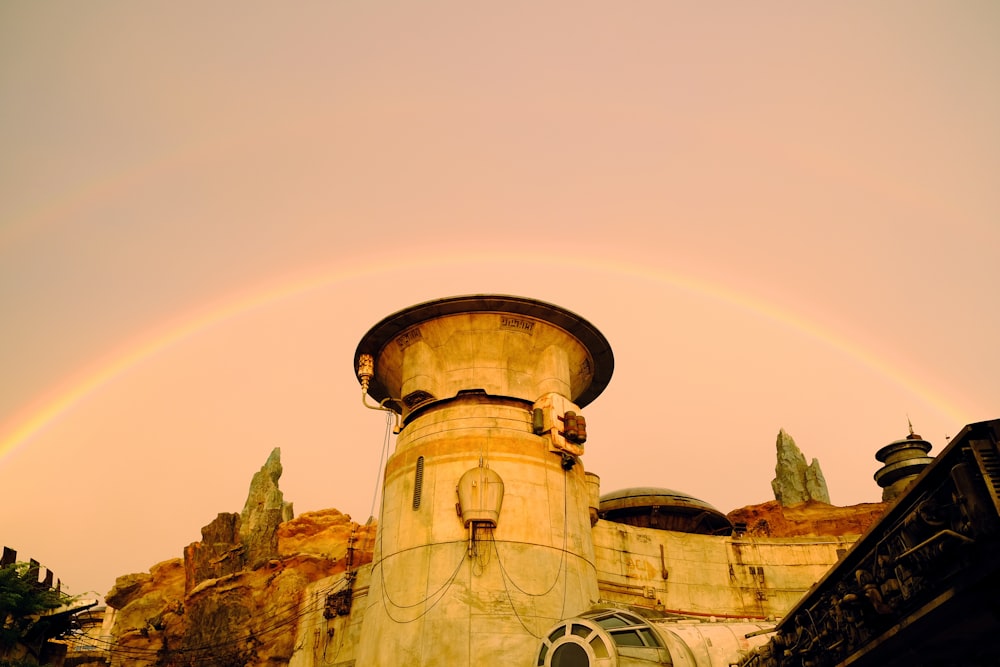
(663, 509)
(904, 460)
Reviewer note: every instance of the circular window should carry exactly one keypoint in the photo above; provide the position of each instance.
(570, 654)
(576, 643)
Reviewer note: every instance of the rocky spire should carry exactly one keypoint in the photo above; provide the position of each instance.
(264, 510)
(795, 482)
(234, 542)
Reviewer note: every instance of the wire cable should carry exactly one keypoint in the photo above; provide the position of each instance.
(381, 461)
(505, 576)
(443, 590)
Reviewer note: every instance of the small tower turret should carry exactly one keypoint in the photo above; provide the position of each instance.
(904, 460)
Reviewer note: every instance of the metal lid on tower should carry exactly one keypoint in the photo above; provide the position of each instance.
(500, 345)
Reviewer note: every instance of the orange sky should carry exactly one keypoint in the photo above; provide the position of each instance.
(780, 215)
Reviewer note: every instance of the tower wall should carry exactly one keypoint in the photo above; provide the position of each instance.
(443, 592)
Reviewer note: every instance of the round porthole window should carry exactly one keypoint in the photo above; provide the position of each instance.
(576, 643)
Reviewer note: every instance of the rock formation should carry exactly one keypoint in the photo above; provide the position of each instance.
(217, 605)
(219, 552)
(264, 510)
(161, 618)
(809, 519)
(234, 542)
(795, 482)
(149, 609)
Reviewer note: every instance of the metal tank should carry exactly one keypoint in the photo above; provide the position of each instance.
(484, 531)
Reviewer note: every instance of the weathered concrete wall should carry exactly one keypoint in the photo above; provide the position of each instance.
(738, 577)
(431, 601)
(325, 638)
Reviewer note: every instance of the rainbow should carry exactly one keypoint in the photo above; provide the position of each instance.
(49, 408)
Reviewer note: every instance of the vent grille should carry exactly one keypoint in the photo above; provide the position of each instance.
(418, 482)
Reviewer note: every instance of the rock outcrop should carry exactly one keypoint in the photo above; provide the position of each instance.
(232, 619)
(219, 552)
(234, 542)
(795, 482)
(219, 603)
(149, 610)
(264, 510)
(809, 519)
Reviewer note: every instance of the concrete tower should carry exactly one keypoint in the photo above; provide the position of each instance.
(484, 537)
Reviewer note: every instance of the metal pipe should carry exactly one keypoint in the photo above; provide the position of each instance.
(932, 538)
(366, 370)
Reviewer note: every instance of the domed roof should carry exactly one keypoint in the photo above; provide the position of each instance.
(665, 509)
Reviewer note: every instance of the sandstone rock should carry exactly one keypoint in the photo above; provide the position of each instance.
(218, 606)
(150, 610)
(219, 553)
(218, 616)
(795, 482)
(322, 533)
(224, 530)
(229, 620)
(809, 519)
(264, 510)
(126, 588)
(233, 542)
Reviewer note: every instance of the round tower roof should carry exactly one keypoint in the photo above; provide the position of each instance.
(916, 444)
(589, 337)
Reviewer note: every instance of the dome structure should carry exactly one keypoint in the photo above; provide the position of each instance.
(664, 509)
